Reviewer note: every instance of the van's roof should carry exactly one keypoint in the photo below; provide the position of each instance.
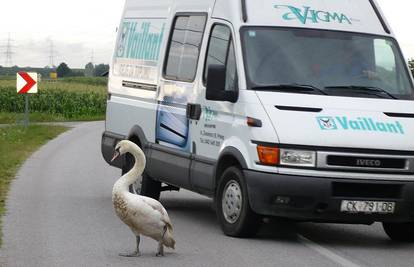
(342, 15)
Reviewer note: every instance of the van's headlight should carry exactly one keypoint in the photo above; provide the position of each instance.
(274, 156)
(300, 158)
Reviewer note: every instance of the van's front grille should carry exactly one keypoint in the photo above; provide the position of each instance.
(366, 162)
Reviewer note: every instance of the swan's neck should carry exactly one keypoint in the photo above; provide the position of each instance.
(136, 172)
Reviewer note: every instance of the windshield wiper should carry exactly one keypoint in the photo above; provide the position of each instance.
(290, 87)
(367, 89)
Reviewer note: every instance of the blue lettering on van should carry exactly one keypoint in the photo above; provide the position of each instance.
(138, 42)
(209, 114)
(306, 14)
(327, 123)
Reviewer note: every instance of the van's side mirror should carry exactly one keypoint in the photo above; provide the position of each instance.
(216, 83)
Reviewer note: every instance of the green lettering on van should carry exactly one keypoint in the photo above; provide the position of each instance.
(365, 124)
(307, 14)
(140, 40)
(209, 114)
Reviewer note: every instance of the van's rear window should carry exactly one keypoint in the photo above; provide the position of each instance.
(184, 47)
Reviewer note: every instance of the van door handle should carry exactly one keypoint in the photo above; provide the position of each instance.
(193, 111)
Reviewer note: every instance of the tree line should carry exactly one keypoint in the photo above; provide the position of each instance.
(90, 70)
(98, 70)
(63, 70)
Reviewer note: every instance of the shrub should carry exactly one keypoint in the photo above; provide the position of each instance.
(98, 81)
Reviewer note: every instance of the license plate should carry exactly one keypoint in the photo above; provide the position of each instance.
(369, 207)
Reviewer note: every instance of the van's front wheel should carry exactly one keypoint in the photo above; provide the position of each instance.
(233, 209)
(402, 232)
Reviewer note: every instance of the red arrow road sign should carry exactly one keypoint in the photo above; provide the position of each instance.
(30, 82)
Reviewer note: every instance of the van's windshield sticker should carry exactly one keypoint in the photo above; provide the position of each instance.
(359, 124)
(252, 34)
(307, 15)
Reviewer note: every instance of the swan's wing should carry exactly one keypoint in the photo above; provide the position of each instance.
(149, 207)
(157, 206)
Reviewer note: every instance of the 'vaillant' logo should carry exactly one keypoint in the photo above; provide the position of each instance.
(140, 39)
(327, 123)
(308, 15)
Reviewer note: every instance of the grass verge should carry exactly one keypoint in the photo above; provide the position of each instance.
(16, 145)
(17, 118)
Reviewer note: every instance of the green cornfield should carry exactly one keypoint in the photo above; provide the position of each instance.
(72, 99)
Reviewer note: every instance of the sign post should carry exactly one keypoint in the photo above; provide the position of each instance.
(26, 84)
(26, 111)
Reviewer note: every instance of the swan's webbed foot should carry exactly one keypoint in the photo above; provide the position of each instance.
(160, 252)
(130, 255)
(136, 253)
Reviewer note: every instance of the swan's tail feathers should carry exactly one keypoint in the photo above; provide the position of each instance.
(168, 236)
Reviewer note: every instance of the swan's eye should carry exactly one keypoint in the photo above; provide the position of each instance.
(118, 149)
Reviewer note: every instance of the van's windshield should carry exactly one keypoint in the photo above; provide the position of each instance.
(327, 62)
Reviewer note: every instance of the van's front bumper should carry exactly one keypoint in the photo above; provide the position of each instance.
(319, 199)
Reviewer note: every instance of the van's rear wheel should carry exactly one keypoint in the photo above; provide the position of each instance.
(148, 187)
(232, 204)
(402, 232)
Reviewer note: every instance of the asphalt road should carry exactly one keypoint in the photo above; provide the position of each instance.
(60, 214)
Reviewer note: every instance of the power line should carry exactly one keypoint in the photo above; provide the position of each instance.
(9, 52)
(93, 57)
(52, 54)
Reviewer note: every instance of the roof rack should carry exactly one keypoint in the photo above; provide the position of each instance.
(244, 10)
(377, 12)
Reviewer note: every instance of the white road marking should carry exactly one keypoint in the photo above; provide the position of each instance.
(326, 252)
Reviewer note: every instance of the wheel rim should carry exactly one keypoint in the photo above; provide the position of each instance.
(232, 201)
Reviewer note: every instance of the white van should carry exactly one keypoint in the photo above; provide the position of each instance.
(297, 109)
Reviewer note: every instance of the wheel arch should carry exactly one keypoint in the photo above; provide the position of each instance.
(230, 156)
(137, 135)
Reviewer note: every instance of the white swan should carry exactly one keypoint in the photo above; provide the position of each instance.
(143, 215)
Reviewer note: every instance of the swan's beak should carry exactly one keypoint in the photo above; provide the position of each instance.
(116, 155)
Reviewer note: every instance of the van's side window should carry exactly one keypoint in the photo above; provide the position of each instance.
(184, 47)
(221, 52)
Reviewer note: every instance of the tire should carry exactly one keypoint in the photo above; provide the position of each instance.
(236, 217)
(149, 187)
(402, 232)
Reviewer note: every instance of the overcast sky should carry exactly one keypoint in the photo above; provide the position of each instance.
(79, 29)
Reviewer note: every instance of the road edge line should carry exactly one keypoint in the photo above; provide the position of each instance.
(326, 252)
